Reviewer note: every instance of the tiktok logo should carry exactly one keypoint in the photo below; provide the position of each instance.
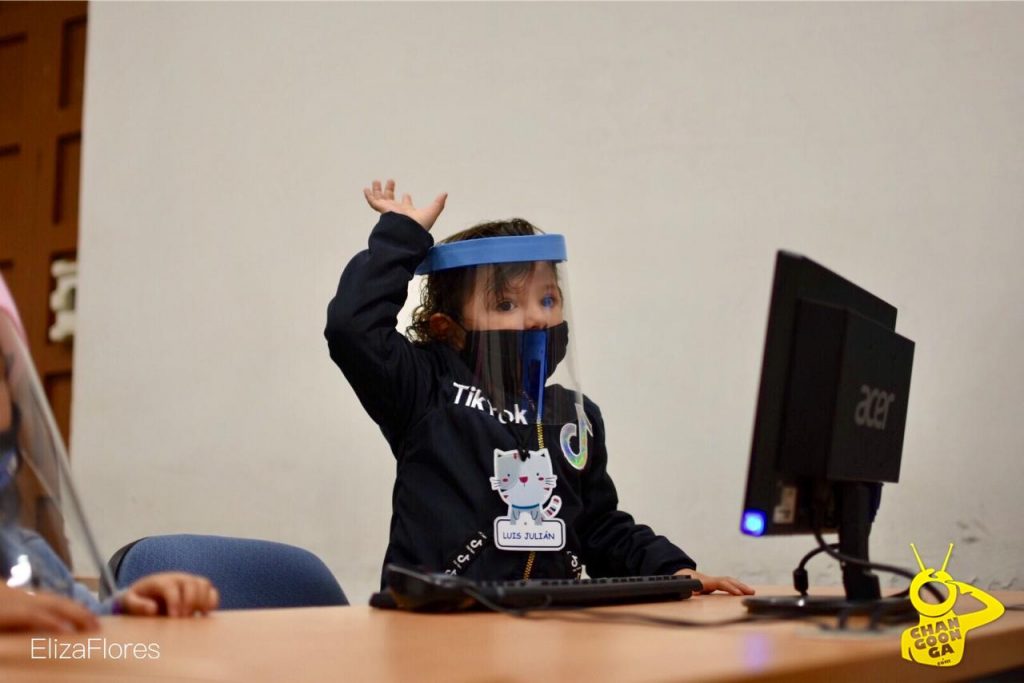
(581, 429)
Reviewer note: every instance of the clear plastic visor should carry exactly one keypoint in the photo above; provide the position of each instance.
(42, 527)
(514, 333)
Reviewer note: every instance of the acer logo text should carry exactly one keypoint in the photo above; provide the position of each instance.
(873, 409)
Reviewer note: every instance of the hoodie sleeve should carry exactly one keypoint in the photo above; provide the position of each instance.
(54, 575)
(389, 374)
(614, 544)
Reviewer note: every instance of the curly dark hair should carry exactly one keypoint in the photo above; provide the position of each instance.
(445, 291)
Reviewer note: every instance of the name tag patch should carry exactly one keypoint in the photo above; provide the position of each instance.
(526, 484)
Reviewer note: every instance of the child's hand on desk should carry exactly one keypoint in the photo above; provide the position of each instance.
(174, 594)
(24, 611)
(726, 584)
(383, 200)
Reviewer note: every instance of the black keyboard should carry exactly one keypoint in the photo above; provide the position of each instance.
(422, 592)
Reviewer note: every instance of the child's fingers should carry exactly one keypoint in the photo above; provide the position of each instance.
(437, 206)
(136, 604)
(374, 202)
(69, 612)
(38, 620)
(212, 599)
(189, 597)
(45, 612)
(743, 588)
(389, 189)
(171, 592)
(206, 597)
(407, 201)
(198, 595)
(377, 202)
(734, 586)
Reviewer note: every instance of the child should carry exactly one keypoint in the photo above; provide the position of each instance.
(444, 512)
(26, 559)
(23, 611)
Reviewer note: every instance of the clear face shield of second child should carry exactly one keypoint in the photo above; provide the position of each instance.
(513, 329)
(42, 528)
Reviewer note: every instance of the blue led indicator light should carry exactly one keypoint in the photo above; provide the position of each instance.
(753, 523)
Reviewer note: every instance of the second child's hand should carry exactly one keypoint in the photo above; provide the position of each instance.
(383, 200)
(726, 584)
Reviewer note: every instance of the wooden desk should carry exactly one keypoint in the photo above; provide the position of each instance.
(361, 644)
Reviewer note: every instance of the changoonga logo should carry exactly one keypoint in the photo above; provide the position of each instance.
(940, 637)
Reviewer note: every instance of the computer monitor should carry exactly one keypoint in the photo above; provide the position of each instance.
(831, 412)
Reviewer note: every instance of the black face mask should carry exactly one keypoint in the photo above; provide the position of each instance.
(515, 363)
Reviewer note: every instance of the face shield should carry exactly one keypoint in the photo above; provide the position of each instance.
(42, 527)
(513, 325)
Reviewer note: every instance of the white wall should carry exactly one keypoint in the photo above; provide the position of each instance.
(676, 146)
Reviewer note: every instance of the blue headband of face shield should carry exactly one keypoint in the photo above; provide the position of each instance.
(488, 250)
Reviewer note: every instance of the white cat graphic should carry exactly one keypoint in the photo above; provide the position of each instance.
(525, 484)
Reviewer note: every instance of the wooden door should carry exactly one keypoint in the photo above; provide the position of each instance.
(42, 76)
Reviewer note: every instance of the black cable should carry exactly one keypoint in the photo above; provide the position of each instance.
(586, 614)
(800, 581)
(894, 612)
(856, 561)
(885, 610)
(816, 551)
(867, 564)
(501, 609)
(545, 611)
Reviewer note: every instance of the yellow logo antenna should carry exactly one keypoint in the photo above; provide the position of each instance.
(946, 561)
(918, 557)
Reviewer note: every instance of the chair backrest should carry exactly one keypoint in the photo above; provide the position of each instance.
(248, 573)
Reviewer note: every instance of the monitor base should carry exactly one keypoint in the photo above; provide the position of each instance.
(815, 605)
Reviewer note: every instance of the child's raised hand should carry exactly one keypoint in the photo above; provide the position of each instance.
(383, 200)
(174, 594)
(726, 584)
(24, 611)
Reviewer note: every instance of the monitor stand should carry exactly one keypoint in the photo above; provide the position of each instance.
(863, 593)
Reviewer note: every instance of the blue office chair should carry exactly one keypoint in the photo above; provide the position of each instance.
(249, 574)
